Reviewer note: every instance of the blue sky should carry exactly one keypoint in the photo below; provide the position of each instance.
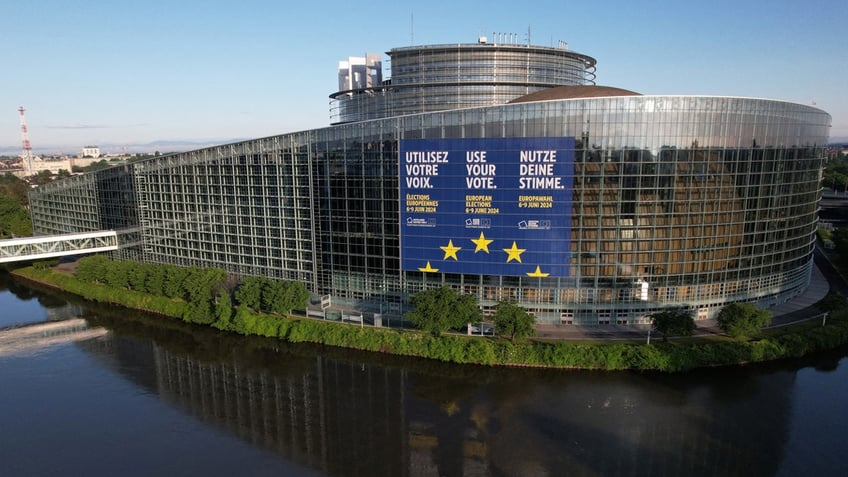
(115, 72)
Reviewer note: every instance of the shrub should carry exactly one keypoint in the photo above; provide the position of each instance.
(833, 301)
(438, 309)
(741, 320)
(223, 312)
(461, 349)
(45, 264)
(513, 321)
(673, 322)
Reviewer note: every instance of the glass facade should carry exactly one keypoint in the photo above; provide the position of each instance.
(675, 201)
(439, 77)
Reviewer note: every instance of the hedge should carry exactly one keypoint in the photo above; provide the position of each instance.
(668, 357)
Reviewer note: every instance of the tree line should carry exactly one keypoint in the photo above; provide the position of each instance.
(737, 320)
(440, 309)
(207, 293)
(836, 173)
(676, 356)
(211, 297)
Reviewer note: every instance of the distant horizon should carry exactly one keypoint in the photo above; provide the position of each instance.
(168, 146)
(141, 74)
(152, 146)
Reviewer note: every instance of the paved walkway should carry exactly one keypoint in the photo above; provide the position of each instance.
(824, 278)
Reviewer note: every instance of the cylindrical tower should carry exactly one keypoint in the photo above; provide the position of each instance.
(443, 77)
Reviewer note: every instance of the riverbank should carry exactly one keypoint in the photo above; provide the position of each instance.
(673, 356)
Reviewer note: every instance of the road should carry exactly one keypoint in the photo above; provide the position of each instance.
(801, 308)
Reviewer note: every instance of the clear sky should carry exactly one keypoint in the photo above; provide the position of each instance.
(121, 73)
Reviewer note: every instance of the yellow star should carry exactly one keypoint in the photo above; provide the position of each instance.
(482, 243)
(428, 268)
(537, 273)
(450, 250)
(514, 253)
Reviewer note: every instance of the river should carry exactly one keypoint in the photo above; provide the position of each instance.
(131, 394)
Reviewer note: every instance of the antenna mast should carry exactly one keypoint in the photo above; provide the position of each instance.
(26, 153)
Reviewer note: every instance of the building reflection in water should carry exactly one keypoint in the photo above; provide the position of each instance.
(353, 414)
(342, 418)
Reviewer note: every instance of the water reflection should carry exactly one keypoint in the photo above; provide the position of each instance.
(347, 413)
(21, 292)
(34, 338)
(31, 306)
(358, 414)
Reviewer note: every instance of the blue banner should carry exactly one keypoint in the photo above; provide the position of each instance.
(497, 206)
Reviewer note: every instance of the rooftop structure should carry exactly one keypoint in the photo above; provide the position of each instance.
(439, 77)
(360, 73)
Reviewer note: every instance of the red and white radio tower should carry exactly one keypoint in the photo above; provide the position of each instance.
(26, 154)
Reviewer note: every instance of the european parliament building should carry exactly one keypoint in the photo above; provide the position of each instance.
(499, 169)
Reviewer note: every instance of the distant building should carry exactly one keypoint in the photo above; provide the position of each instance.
(90, 151)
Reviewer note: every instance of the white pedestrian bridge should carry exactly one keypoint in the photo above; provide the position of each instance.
(49, 246)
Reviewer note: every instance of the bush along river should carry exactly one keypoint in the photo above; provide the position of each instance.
(197, 304)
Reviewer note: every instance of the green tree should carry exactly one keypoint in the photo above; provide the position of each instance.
(96, 166)
(836, 180)
(223, 312)
(833, 301)
(199, 312)
(92, 268)
(155, 282)
(172, 287)
(117, 274)
(295, 296)
(840, 240)
(836, 173)
(201, 284)
(273, 292)
(513, 321)
(137, 276)
(45, 264)
(281, 296)
(14, 219)
(438, 309)
(11, 186)
(741, 320)
(249, 292)
(42, 177)
(673, 322)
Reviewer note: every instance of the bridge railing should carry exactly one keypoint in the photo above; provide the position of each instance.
(35, 248)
